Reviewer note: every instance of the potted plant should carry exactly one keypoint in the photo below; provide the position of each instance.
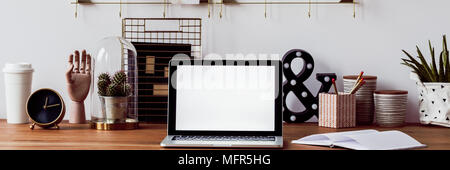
(433, 82)
(113, 93)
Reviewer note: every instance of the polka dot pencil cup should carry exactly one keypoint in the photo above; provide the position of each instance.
(337, 111)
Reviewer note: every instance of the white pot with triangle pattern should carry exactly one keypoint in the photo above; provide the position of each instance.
(434, 104)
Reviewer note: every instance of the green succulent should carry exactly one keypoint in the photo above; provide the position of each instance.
(115, 86)
(105, 77)
(119, 78)
(113, 90)
(430, 72)
(104, 81)
(118, 90)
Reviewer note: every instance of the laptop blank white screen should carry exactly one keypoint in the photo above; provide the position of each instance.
(225, 98)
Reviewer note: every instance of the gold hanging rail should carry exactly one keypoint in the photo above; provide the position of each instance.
(214, 2)
(225, 2)
(88, 2)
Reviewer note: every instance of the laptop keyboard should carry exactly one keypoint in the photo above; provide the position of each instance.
(223, 138)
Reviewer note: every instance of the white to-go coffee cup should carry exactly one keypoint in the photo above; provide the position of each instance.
(18, 78)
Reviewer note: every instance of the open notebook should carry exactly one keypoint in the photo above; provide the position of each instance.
(363, 140)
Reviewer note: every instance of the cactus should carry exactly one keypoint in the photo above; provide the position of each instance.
(105, 77)
(127, 89)
(112, 90)
(104, 81)
(119, 78)
(115, 86)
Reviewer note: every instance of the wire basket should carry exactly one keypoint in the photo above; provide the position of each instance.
(157, 40)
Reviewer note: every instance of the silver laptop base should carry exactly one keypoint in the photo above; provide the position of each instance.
(253, 142)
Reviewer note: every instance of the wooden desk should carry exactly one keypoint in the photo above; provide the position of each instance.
(148, 137)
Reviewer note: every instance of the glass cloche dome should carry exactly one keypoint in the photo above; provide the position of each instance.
(113, 92)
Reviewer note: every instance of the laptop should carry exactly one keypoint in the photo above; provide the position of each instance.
(224, 103)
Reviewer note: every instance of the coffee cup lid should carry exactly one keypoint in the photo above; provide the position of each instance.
(18, 68)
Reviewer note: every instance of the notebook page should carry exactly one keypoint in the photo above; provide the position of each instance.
(352, 144)
(344, 136)
(328, 139)
(318, 139)
(386, 140)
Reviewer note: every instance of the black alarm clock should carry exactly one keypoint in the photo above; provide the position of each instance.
(45, 108)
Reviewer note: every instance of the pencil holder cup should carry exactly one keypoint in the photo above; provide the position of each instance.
(337, 111)
(364, 98)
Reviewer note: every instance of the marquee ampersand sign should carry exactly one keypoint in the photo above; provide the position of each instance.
(294, 83)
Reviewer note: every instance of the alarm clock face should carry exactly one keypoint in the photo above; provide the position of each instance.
(45, 106)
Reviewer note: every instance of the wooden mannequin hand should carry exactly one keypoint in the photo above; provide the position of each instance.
(79, 78)
(78, 84)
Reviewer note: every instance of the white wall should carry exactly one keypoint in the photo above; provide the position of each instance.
(45, 32)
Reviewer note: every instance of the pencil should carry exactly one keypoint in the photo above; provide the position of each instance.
(358, 78)
(335, 88)
(358, 86)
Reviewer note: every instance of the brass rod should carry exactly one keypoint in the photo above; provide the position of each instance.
(283, 3)
(225, 3)
(76, 9)
(123, 27)
(221, 7)
(165, 8)
(209, 10)
(117, 3)
(265, 8)
(148, 19)
(309, 9)
(120, 9)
